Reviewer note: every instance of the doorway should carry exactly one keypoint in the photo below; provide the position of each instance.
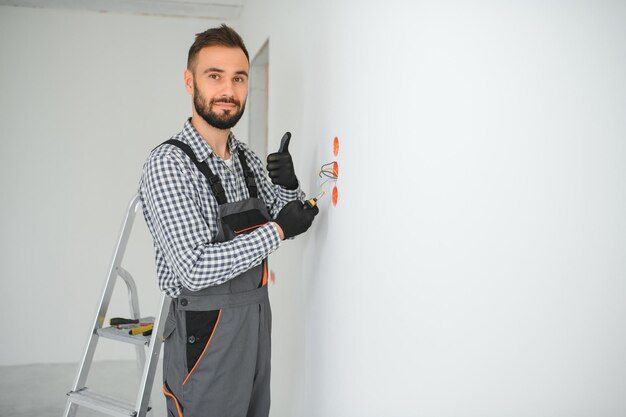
(258, 102)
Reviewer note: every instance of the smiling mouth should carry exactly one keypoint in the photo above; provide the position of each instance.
(226, 106)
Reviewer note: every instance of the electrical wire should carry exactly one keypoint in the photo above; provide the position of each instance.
(328, 172)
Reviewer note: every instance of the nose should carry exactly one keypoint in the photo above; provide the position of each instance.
(228, 89)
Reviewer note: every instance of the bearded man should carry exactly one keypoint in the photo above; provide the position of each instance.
(215, 217)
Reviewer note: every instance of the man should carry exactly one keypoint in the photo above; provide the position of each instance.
(215, 217)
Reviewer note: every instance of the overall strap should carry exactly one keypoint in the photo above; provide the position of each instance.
(214, 181)
(248, 174)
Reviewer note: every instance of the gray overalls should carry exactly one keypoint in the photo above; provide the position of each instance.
(217, 341)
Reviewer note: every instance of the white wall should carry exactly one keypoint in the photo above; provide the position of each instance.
(84, 98)
(475, 263)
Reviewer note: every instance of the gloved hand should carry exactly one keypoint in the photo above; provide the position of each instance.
(295, 218)
(280, 165)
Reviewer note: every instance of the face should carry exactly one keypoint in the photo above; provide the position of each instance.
(218, 84)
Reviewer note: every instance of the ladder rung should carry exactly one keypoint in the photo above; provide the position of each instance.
(123, 336)
(103, 403)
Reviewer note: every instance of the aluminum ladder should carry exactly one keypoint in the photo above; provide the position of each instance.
(83, 396)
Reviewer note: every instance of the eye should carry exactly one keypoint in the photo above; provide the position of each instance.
(214, 76)
(239, 79)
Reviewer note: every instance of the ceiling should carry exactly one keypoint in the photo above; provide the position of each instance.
(203, 9)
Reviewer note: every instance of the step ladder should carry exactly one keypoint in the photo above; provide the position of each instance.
(83, 396)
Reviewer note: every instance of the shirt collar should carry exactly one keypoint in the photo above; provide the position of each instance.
(200, 148)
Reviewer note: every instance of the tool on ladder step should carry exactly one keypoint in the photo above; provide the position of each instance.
(128, 324)
(115, 321)
(141, 329)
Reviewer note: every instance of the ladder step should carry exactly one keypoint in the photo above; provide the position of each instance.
(122, 334)
(103, 403)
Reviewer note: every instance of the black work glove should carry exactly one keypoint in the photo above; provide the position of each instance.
(295, 218)
(280, 165)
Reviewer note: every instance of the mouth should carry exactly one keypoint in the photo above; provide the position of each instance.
(226, 104)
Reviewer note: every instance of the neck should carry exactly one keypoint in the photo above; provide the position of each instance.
(216, 138)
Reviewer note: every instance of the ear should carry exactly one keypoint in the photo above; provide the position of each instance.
(189, 82)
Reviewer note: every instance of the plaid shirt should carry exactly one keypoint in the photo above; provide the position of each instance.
(182, 216)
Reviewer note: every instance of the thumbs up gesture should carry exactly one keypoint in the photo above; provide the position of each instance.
(280, 165)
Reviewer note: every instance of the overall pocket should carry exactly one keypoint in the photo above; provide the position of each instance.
(201, 327)
(168, 329)
(244, 222)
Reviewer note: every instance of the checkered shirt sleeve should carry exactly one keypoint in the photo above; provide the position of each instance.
(182, 216)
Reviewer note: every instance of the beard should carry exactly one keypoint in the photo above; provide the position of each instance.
(225, 119)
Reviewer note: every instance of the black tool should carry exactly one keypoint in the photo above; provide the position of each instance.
(118, 320)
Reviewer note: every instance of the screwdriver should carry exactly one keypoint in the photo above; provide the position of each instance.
(311, 202)
(118, 320)
(140, 329)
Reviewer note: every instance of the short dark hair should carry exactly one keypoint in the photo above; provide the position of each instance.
(223, 35)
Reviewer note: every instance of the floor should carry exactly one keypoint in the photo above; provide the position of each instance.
(39, 390)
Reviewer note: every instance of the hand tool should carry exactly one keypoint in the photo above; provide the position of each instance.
(119, 320)
(311, 202)
(140, 329)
